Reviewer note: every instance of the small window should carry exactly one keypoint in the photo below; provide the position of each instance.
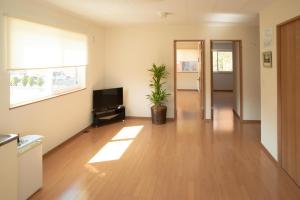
(43, 61)
(222, 61)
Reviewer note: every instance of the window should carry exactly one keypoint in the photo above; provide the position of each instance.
(222, 61)
(43, 61)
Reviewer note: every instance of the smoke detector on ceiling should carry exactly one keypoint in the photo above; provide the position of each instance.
(163, 14)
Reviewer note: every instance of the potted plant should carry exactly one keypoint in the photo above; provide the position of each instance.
(158, 94)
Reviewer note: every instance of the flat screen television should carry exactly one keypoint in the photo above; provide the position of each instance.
(107, 98)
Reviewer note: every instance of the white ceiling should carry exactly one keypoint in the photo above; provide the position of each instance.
(120, 12)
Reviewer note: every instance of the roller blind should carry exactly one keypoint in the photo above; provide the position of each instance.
(32, 46)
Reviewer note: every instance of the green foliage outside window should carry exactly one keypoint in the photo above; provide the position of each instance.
(27, 81)
(222, 61)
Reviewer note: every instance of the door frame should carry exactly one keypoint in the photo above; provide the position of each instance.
(279, 90)
(202, 86)
(240, 75)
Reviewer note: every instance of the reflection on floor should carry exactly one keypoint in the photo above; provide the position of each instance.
(188, 105)
(223, 115)
(223, 100)
(185, 159)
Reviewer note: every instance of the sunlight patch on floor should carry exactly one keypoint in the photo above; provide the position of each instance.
(117, 146)
(128, 133)
(111, 151)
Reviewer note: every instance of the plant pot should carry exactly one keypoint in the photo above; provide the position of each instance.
(159, 114)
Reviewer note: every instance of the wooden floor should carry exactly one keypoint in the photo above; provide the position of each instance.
(184, 159)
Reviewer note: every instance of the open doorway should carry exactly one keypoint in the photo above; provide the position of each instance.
(226, 81)
(189, 78)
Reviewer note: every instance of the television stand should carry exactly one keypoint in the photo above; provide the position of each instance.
(107, 116)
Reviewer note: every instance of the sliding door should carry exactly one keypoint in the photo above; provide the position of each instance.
(289, 97)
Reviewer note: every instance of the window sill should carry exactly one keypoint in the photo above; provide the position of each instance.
(45, 98)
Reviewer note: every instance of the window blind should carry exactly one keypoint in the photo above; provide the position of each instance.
(32, 46)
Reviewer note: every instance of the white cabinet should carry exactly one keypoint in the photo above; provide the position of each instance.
(30, 165)
(9, 171)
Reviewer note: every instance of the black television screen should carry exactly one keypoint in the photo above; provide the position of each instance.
(107, 98)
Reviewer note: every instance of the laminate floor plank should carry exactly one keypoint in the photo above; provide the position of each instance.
(185, 159)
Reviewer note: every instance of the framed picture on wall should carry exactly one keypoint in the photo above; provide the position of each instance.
(187, 66)
(268, 38)
(267, 59)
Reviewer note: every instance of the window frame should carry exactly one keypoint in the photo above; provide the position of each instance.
(45, 98)
(222, 72)
(54, 95)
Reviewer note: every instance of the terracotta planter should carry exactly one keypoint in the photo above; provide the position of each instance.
(159, 114)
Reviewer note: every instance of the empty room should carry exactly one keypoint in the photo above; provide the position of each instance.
(149, 99)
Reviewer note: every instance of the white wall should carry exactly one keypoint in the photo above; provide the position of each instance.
(131, 50)
(187, 81)
(59, 118)
(276, 13)
(223, 81)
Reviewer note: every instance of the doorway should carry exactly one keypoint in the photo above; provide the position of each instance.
(226, 78)
(189, 78)
(288, 97)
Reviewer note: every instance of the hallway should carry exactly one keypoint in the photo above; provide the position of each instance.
(185, 159)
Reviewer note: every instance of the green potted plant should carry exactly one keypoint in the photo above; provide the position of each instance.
(158, 95)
